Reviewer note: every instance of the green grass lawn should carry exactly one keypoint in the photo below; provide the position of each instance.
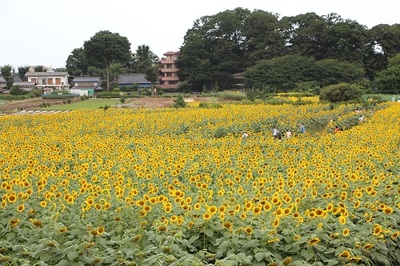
(90, 104)
(384, 97)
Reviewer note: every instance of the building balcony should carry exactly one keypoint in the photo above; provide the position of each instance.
(167, 61)
(168, 70)
(169, 78)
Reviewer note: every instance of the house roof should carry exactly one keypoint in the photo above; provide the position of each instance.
(23, 83)
(132, 79)
(87, 79)
(45, 74)
(2, 80)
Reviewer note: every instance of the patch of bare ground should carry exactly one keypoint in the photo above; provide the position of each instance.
(160, 102)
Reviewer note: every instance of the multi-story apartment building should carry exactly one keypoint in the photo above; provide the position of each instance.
(168, 73)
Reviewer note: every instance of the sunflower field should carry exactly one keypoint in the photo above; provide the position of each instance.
(182, 187)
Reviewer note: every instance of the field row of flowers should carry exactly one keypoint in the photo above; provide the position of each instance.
(181, 187)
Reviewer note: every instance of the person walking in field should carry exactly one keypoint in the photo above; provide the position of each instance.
(288, 133)
(275, 132)
(302, 128)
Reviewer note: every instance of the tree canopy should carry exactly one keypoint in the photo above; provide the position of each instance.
(388, 80)
(106, 48)
(239, 40)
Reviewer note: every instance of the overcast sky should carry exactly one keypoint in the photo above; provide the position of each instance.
(44, 32)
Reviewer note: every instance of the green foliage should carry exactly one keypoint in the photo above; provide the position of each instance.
(179, 102)
(22, 71)
(281, 73)
(44, 105)
(106, 94)
(17, 91)
(77, 64)
(36, 92)
(210, 105)
(6, 72)
(340, 93)
(388, 80)
(254, 94)
(220, 132)
(59, 96)
(231, 95)
(40, 68)
(334, 71)
(15, 97)
(105, 49)
(143, 60)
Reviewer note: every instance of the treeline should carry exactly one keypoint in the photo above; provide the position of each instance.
(291, 53)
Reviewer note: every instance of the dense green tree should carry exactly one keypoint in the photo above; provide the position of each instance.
(152, 76)
(213, 51)
(280, 73)
(22, 70)
(332, 71)
(106, 48)
(143, 59)
(324, 37)
(388, 80)
(95, 72)
(386, 39)
(40, 68)
(262, 37)
(341, 92)
(7, 72)
(303, 34)
(115, 71)
(77, 64)
(344, 40)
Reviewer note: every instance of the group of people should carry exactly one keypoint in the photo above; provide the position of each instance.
(278, 135)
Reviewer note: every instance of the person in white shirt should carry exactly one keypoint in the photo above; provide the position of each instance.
(275, 132)
(288, 133)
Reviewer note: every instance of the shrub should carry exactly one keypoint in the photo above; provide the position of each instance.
(232, 95)
(108, 94)
(340, 93)
(220, 132)
(179, 102)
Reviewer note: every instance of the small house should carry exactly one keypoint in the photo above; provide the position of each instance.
(24, 85)
(53, 80)
(130, 80)
(86, 86)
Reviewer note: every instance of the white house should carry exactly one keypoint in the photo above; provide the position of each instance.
(49, 81)
(86, 86)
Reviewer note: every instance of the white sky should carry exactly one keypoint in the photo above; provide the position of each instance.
(44, 32)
